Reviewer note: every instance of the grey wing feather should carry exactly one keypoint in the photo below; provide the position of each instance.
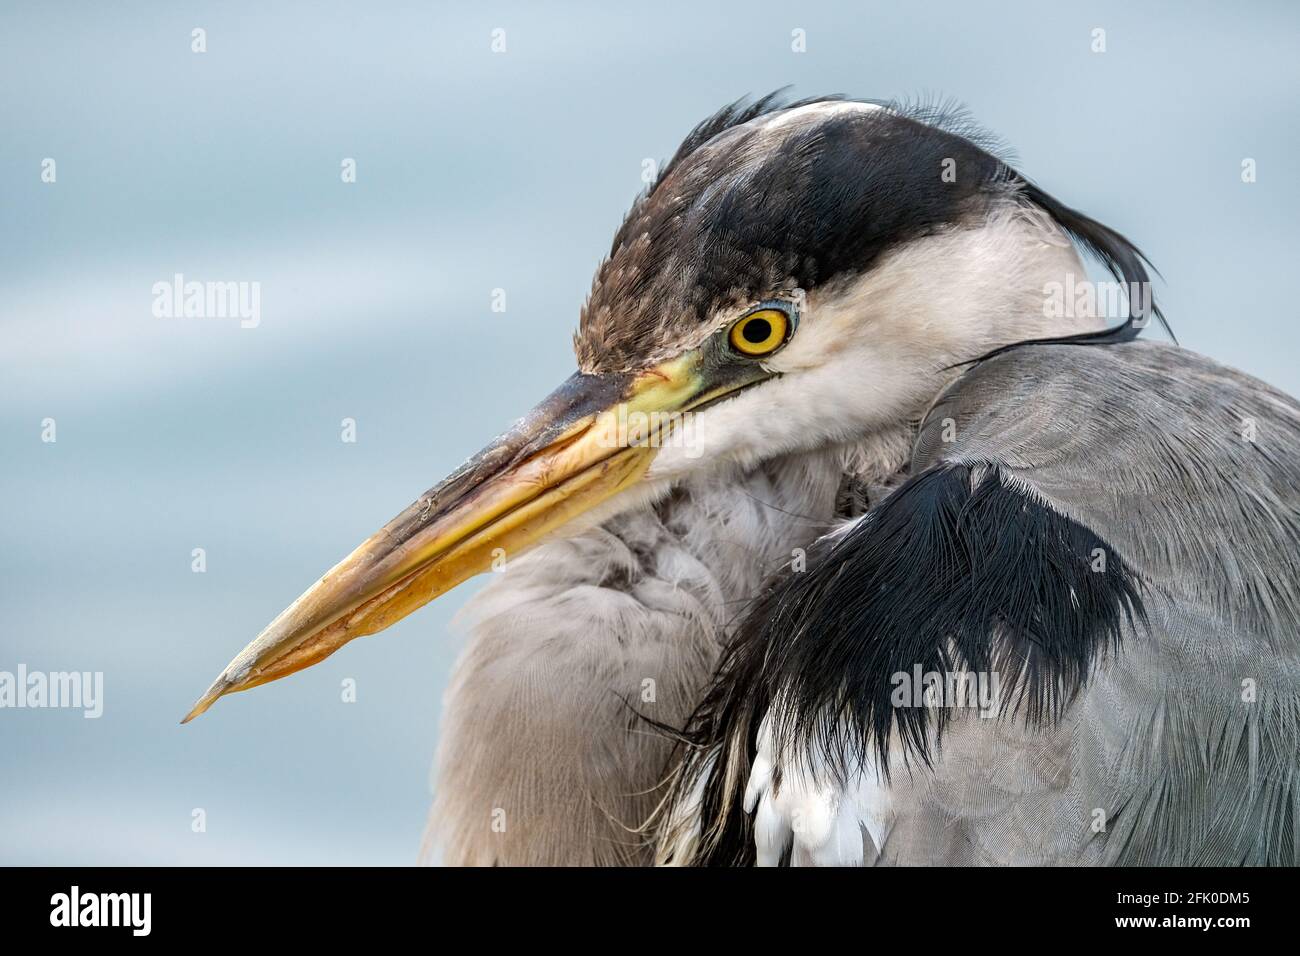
(1182, 748)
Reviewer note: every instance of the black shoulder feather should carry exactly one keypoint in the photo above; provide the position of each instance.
(963, 569)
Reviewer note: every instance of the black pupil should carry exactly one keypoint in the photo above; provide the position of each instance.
(757, 331)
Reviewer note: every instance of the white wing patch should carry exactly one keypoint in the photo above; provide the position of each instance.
(820, 824)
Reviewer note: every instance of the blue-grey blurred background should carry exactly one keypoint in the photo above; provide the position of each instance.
(475, 171)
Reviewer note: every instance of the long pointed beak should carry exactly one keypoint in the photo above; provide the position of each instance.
(569, 454)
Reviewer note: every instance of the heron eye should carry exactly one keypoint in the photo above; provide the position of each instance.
(760, 333)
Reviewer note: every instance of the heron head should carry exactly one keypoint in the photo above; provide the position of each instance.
(796, 278)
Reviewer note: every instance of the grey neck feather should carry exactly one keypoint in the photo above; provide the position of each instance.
(543, 756)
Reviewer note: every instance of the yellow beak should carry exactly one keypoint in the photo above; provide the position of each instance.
(592, 438)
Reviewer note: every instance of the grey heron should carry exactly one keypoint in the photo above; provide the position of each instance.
(824, 439)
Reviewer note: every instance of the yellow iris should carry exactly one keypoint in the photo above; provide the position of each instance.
(760, 333)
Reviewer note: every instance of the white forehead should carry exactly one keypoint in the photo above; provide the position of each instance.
(814, 113)
(765, 133)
